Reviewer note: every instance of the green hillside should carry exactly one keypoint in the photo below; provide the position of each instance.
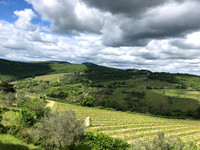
(171, 95)
(134, 127)
(132, 104)
(10, 70)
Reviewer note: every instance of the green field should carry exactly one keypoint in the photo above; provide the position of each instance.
(50, 77)
(134, 127)
(183, 93)
(9, 142)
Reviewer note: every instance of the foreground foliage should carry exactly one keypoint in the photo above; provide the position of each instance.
(101, 141)
(160, 142)
(59, 131)
(9, 142)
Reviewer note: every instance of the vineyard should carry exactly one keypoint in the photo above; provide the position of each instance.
(134, 127)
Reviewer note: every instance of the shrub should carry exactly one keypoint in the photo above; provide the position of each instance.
(28, 118)
(37, 107)
(101, 141)
(7, 87)
(57, 93)
(88, 101)
(21, 96)
(162, 143)
(10, 99)
(59, 131)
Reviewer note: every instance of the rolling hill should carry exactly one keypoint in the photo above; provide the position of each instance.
(175, 95)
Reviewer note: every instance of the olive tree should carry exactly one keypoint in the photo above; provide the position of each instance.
(59, 131)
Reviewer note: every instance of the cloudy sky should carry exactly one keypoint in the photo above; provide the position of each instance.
(159, 35)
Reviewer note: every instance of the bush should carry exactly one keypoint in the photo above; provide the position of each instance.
(10, 99)
(57, 93)
(101, 141)
(162, 143)
(59, 131)
(88, 101)
(7, 87)
(28, 118)
(37, 107)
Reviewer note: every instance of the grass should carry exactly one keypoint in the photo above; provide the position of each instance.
(9, 142)
(51, 77)
(11, 117)
(183, 93)
(133, 127)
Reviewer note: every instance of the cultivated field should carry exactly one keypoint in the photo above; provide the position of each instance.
(134, 127)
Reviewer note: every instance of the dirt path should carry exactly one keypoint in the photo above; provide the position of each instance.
(50, 103)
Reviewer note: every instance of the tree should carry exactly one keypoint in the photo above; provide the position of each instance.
(59, 131)
(28, 118)
(37, 107)
(7, 88)
(88, 101)
(10, 99)
(160, 142)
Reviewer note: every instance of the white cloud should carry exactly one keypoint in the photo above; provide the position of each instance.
(69, 16)
(24, 19)
(26, 42)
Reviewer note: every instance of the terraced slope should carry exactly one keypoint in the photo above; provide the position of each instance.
(134, 127)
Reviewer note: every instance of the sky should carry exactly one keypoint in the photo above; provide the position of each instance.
(158, 35)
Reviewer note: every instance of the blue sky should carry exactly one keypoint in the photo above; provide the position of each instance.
(7, 7)
(155, 35)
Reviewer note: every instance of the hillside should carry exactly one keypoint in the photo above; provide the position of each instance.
(171, 95)
(11, 70)
(131, 104)
(134, 127)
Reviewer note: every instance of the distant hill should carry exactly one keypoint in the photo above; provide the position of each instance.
(12, 70)
(176, 95)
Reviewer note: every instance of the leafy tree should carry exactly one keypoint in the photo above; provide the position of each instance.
(101, 141)
(59, 131)
(57, 93)
(21, 96)
(37, 107)
(7, 88)
(88, 101)
(28, 118)
(162, 143)
(10, 99)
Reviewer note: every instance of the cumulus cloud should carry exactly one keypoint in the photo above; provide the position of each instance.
(127, 7)
(24, 19)
(157, 23)
(192, 41)
(69, 16)
(155, 35)
(127, 23)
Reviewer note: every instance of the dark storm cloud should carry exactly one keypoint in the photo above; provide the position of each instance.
(122, 22)
(128, 7)
(168, 21)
